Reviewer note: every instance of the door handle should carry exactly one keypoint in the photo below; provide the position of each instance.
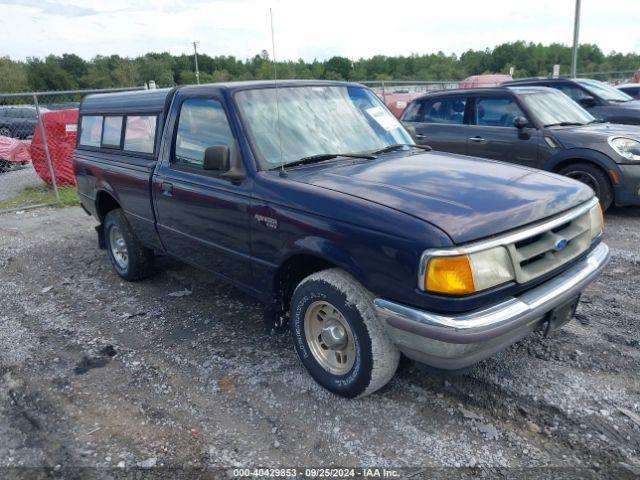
(420, 135)
(477, 139)
(167, 189)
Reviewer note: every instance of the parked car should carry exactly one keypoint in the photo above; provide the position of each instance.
(366, 244)
(18, 121)
(631, 89)
(536, 127)
(601, 100)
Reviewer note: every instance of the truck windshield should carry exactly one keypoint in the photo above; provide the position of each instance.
(604, 91)
(316, 120)
(555, 108)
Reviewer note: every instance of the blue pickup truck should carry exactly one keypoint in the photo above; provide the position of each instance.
(312, 197)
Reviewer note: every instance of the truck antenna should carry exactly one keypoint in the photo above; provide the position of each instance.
(275, 83)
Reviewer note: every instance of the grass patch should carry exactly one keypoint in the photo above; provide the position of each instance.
(42, 194)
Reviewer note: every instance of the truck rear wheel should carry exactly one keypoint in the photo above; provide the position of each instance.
(595, 178)
(338, 336)
(130, 259)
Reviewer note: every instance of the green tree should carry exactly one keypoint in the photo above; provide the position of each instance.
(13, 76)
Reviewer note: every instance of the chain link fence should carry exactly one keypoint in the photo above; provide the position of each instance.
(616, 77)
(37, 138)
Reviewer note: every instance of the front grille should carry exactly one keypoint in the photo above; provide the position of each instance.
(541, 253)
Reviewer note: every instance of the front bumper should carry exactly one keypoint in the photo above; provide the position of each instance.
(627, 192)
(457, 341)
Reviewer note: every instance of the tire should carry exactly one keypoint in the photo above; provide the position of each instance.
(595, 178)
(129, 258)
(364, 359)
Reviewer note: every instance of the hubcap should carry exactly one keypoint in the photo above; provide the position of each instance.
(118, 247)
(587, 179)
(329, 337)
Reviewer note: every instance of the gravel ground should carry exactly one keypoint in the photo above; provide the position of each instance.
(109, 376)
(14, 181)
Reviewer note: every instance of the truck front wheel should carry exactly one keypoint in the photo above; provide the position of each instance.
(130, 259)
(338, 336)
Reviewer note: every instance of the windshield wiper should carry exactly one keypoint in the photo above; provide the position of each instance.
(564, 124)
(397, 146)
(322, 157)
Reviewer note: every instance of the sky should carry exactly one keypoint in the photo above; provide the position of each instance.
(305, 29)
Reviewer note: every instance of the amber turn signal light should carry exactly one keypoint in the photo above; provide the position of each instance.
(449, 275)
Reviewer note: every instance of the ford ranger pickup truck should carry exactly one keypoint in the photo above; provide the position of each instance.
(312, 197)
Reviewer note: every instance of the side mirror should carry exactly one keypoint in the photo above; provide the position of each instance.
(587, 102)
(520, 122)
(217, 158)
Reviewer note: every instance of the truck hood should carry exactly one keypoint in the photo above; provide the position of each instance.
(592, 135)
(468, 198)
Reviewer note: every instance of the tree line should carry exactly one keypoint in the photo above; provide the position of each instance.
(69, 71)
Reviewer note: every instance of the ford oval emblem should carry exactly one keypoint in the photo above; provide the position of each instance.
(560, 244)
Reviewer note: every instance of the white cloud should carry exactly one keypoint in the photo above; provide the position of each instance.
(305, 29)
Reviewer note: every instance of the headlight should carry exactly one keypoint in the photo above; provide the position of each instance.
(626, 147)
(597, 221)
(464, 274)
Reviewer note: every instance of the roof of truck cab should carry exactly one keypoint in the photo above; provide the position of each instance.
(257, 84)
(156, 100)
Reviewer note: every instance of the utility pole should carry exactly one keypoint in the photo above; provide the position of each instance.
(576, 32)
(195, 56)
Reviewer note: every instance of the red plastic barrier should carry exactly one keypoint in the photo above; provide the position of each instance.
(60, 127)
(13, 150)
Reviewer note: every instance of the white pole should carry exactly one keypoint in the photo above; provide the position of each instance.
(195, 55)
(576, 33)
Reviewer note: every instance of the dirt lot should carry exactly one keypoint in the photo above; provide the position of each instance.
(99, 373)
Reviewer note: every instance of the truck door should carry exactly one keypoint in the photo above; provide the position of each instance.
(202, 217)
(492, 133)
(439, 123)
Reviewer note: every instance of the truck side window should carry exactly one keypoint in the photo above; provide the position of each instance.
(140, 133)
(202, 124)
(112, 132)
(91, 130)
(497, 112)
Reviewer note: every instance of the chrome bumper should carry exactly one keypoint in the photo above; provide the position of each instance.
(459, 340)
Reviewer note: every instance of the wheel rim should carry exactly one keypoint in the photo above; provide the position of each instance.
(587, 179)
(118, 247)
(5, 132)
(329, 337)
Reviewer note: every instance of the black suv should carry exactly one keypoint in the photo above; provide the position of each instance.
(601, 100)
(534, 126)
(18, 121)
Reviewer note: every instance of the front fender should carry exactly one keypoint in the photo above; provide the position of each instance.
(327, 250)
(586, 155)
